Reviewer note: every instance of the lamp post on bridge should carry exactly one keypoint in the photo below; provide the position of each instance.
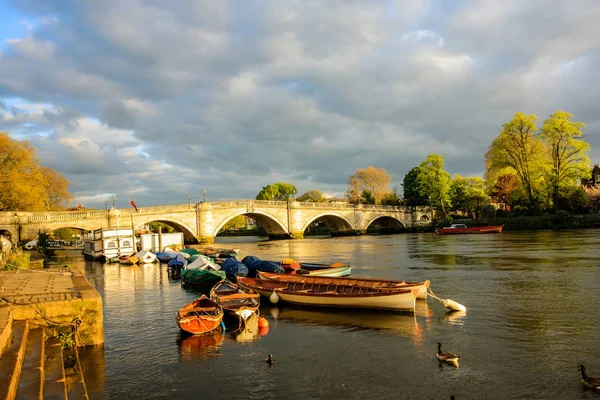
(189, 199)
(204, 193)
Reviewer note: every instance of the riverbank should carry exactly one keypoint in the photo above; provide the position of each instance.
(544, 222)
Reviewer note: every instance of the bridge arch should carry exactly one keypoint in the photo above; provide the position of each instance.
(389, 223)
(335, 222)
(188, 233)
(271, 224)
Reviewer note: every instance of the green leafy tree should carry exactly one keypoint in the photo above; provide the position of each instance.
(280, 191)
(312, 196)
(376, 181)
(413, 193)
(468, 195)
(435, 182)
(518, 150)
(366, 197)
(568, 153)
(392, 198)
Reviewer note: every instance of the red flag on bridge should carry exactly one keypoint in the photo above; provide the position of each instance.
(132, 204)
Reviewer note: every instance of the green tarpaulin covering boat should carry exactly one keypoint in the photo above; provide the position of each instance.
(201, 277)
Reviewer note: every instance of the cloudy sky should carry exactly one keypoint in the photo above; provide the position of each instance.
(160, 99)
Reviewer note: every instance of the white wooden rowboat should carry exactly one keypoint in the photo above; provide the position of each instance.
(381, 284)
(333, 295)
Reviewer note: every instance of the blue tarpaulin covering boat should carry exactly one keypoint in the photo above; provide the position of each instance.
(163, 257)
(256, 264)
(233, 268)
(175, 265)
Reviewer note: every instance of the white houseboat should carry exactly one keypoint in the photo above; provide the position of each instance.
(108, 243)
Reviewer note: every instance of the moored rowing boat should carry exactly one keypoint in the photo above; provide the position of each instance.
(200, 316)
(333, 295)
(234, 300)
(379, 284)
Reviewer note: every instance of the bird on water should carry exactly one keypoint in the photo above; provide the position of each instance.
(449, 358)
(589, 381)
(270, 360)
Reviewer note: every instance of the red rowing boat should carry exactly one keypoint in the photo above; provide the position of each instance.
(200, 316)
(458, 229)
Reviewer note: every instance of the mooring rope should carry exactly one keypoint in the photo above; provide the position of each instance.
(430, 292)
(17, 269)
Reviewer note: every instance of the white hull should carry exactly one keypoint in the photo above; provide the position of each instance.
(385, 300)
(379, 283)
(330, 272)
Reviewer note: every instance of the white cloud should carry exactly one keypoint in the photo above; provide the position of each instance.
(163, 101)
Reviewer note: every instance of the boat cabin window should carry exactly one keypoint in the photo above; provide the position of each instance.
(458, 226)
(126, 243)
(110, 245)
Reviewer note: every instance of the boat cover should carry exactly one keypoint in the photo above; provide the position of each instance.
(202, 262)
(178, 262)
(201, 277)
(233, 268)
(256, 264)
(190, 251)
(164, 257)
(146, 257)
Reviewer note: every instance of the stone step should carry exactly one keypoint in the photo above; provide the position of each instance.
(32, 371)
(54, 371)
(6, 319)
(75, 383)
(12, 360)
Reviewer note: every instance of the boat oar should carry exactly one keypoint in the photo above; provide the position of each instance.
(451, 304)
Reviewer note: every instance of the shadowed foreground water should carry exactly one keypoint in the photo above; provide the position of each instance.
(533, 302)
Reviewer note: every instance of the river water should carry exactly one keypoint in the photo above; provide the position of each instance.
(533, 315)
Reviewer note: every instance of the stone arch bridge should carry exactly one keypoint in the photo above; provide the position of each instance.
(202, 221)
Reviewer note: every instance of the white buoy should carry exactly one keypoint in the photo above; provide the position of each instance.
(274, 297)
(451, 304)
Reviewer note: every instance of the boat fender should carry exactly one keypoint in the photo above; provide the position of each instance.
(274, 298)
(454, 306)
(223, 326)
(263, 322)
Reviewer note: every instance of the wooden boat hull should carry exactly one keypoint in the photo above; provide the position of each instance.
(200, 316)
(127, 260)
(381, 284)
(470, 230)
(345, 296)
(235, 301)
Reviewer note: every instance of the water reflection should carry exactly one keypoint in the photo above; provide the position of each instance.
(455, 317)
(404, 324)
(244, 332)
(200, 347)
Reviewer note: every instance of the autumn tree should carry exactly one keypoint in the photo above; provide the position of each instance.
(312, 196)
(413, 194)
(503, 188)
(518, 150)
(468, 195)
(281, 191)
(56, 186)
(593, 195)
(568, 153)
(24, 184)
(373, 180)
